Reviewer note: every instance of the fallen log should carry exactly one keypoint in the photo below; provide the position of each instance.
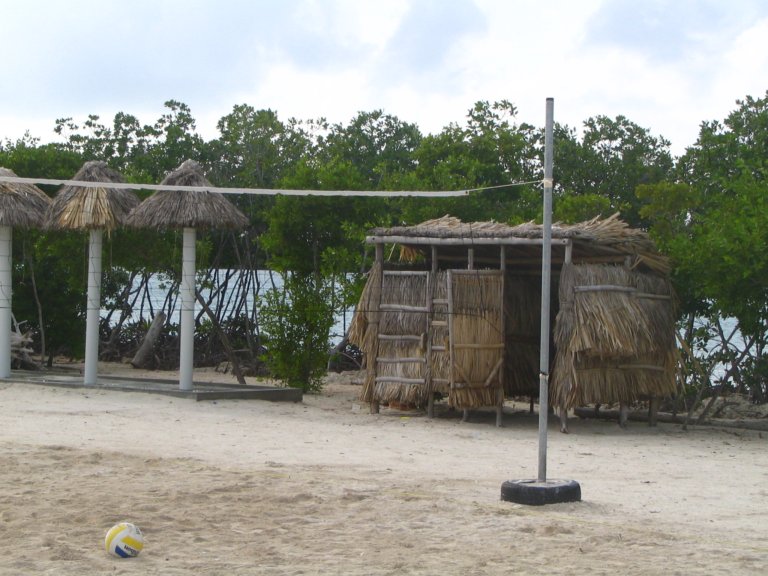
(145, 354)
(20, 351)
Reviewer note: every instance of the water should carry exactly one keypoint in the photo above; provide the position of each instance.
(714, 344)
(259, 282)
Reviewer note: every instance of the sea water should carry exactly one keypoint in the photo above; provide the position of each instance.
(262, 281)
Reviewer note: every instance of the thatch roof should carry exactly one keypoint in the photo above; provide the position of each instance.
(84, 208)
(187, 209)
(21, 205)
(596, 239)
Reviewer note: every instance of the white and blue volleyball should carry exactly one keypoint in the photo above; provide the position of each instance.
(124, 540)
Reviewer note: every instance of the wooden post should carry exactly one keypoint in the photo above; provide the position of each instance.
(470, 266)
(432, 282)
(451, 369)
(623, 414)
(374, 405)
(500, 399)
(144, 355)
(653, 411)
(6, 285)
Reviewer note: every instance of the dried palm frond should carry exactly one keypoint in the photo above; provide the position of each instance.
(169, 209)
(21, 205)
(84, 208)
(614, 336)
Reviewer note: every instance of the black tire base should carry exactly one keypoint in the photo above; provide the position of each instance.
(535, 493)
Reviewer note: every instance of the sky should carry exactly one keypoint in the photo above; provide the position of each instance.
(667, 65)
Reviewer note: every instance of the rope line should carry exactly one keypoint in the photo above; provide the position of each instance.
(260, 191)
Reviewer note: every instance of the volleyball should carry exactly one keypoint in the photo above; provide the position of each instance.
(124, 540)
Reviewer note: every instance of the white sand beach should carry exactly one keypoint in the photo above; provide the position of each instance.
(236, 487)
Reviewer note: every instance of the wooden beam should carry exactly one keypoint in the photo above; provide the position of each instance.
(463, 241)
(399, 380)
(403, 308)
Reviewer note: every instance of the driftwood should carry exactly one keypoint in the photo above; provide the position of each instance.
(144, 356)
(20, 350)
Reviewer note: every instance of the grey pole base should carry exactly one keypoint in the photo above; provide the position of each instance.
(535, 493)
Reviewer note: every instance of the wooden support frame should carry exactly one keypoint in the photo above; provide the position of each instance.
(371, 364)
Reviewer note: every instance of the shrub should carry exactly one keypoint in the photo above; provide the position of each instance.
(297, 321)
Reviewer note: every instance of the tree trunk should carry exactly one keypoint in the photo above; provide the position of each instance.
(144, 356)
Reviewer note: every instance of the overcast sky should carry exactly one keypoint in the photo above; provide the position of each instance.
(667, 65)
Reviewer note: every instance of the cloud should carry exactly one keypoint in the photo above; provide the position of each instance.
(666, 65)
(428, 36)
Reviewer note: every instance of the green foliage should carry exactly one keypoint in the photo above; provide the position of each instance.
(297, 321)
(612, 159)
(572, 209)
(142, 153)
(29, 159)
(48, 267)
(490, 149)
(714, 223)
(53, 271)
(379, 147)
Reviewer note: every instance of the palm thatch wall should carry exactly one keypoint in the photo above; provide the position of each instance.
(476, 338)
(172, 209)
(85, 208)
(401, 367)
(364, 328)
(21, 205)
(614, 336)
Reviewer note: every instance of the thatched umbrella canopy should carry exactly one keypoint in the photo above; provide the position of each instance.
(94, 209)
(187, 210)
(175, 209)
(86, 208)
(21, 206)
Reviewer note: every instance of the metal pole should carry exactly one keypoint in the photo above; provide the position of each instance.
(93, 309)
(6, 251)
(546, 272)
(187, 288)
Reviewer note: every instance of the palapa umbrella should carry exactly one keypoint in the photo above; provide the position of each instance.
(94, 209)
(21, 206)
(187, 210)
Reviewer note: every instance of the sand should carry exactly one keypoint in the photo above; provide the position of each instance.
(323, 487)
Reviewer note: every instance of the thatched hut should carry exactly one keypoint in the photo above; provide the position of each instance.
(95, 209)
(460, 315)
(21, 206)
(187, 210)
